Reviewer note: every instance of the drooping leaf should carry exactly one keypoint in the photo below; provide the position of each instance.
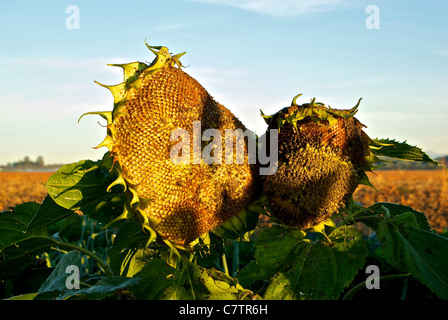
(13, 223)
(407, 247)
(48, 212)
(15, 242)
(308, 273)
(28, 245)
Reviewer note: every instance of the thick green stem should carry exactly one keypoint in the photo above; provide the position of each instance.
(349, 295)
(224, 264)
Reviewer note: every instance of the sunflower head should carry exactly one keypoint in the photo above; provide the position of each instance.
(177, 201)
(322, 158)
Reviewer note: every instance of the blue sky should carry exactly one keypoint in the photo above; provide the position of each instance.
(249, 55)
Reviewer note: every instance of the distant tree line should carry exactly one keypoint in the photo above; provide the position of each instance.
(412, 165)
(28, 165)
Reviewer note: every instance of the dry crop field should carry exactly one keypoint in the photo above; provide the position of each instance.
(423, 190)
(18, 187)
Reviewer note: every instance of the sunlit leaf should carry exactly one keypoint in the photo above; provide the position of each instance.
(211, 284)
(162, 282)
(400, 150)
(83, 186)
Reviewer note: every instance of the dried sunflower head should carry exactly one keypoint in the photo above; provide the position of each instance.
(322, 157)
(157, 108)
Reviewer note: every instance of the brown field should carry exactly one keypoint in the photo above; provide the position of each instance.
(426, 191)
(18, 187)
(423, 190)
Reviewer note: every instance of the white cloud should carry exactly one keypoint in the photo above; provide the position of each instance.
(441, 52)
(280, 7)
(172, 26)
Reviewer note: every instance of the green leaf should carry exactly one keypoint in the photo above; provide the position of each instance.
(104, 288)
(240, 226)
(305, 274)
(252, 273)
(55, 287)
(125, 257)
(350, 251)
(48, 212)
(400, 150)
(273, 247)
(314, 270)
(409, 248)
(70, 225)
(191, 282)
(374, 214)
(15, 242)
(160, 282)
(20, 216)
(26, 296)
(28, 245)
(83, 186)
(211, 284)
(56, 282)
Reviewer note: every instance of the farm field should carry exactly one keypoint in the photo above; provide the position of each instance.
(423, 190)
(18, 187)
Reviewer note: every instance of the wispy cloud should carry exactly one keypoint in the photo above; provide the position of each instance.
(280, 7)
(58, 64)
(57, 87)
(172, 26)
(441, 52)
